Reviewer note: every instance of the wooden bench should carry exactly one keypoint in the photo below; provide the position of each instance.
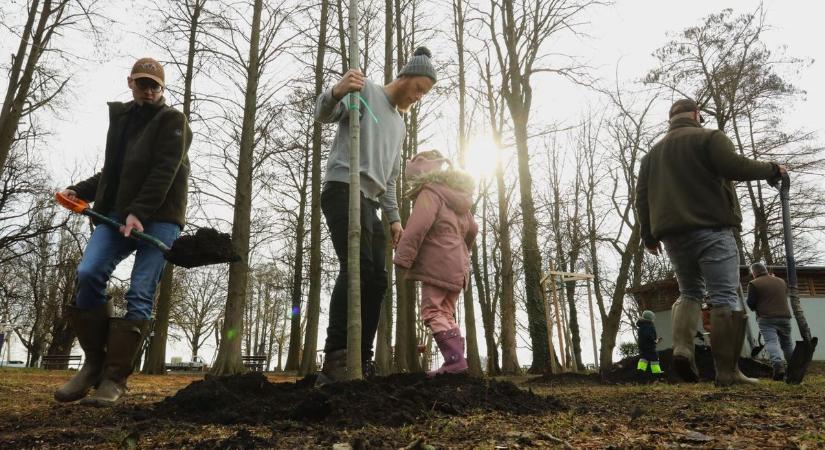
(60, 362)
(253, 362)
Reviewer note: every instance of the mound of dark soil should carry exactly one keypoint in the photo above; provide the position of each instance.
(624, 371)
(394, 401)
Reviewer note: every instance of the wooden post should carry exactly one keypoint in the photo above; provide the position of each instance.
(554, 298)
(354, 233)
(592, 325)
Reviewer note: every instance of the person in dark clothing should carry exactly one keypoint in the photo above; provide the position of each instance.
(647, 344)
(768, 298)
(686, 200)
(143, 184)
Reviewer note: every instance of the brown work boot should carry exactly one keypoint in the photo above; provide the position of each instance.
(92, 328)
(125, 339)
(334, 368)
(685, 316)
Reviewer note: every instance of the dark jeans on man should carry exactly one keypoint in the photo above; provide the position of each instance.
(335, 206)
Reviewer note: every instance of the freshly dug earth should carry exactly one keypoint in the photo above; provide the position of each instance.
(392, 401)
(661, 415)
(625, 371)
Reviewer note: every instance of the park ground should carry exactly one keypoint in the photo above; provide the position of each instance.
(580, 413)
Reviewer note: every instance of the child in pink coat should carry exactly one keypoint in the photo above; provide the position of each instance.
(435, 248)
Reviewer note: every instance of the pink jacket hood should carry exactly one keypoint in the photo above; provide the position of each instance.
(441, 229)
(454, 186)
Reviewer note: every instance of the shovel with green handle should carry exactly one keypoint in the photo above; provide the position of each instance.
(205, 247)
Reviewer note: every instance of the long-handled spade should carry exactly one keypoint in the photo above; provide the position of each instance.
(803, 352)
(205, 247)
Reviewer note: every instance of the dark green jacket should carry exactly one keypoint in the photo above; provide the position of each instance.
(154, 181)
(685, 182)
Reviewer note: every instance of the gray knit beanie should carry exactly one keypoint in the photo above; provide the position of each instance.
(648, 315)
(420, 65)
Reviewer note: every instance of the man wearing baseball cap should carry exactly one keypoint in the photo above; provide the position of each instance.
(685, 199)
(143, 184)
(382, 134)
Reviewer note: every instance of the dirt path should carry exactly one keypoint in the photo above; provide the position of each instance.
(584, 414)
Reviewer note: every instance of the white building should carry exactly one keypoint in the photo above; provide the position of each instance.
(659, 296)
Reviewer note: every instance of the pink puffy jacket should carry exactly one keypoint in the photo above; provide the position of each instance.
(441, 228)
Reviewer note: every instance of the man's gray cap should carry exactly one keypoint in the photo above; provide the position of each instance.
(420, 65)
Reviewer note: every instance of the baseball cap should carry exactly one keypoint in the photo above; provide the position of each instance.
(148, 68)
(684, 105)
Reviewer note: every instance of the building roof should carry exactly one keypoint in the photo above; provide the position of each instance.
(660, 295)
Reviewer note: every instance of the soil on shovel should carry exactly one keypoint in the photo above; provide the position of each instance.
(395, 400)
(206, 246)
(625, 371)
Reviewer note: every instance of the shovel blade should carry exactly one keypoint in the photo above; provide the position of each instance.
(756, 351)
(801, 358)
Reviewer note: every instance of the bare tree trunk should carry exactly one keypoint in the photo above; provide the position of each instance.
(228, 361)
(294, 356)
(383, 348)
(488, 310)
(314, 300)
(155, 363)
(21, 75)
(473, 359)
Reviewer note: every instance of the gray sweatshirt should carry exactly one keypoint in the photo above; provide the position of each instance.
(382, 134)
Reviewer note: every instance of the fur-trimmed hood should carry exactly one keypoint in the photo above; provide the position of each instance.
(455, 186)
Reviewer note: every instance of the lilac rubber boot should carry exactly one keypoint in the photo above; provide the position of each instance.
(451, 345)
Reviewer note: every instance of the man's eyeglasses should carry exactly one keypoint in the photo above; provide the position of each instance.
(148, 84)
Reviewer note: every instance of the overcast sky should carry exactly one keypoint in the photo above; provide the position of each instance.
(622, 35)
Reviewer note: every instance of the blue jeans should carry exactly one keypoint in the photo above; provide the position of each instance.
(706, 260)
(777, 335)
(105, 250)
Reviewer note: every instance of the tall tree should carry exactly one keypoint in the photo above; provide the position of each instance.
(495, 112)
(459, 20)
(314, 297)
(228, 360)
(632, 134)
(182, 20)
(383, 347)
(33, 81)
(519, 31)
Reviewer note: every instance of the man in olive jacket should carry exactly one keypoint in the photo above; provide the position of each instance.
(768, 297)
(143, 184)
(685, 198)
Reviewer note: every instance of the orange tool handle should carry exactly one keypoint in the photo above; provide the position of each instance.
(79, 206)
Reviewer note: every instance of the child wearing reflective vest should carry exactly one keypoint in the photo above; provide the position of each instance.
(647, 344)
